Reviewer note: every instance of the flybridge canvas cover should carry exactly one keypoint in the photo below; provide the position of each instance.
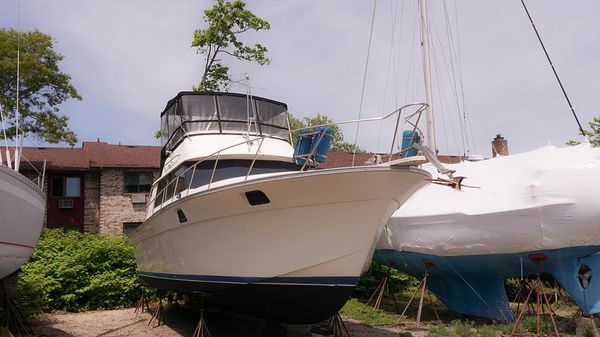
(543, 199)
(210, 113)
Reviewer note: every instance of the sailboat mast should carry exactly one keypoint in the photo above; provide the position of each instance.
(430, 138)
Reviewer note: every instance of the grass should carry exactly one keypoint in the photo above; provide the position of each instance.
(357, 310)
(450, 325)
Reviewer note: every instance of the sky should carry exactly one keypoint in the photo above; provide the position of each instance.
(128, 58)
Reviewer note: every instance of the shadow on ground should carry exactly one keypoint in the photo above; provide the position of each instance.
(183, 320)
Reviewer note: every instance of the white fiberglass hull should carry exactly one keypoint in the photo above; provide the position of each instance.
(308, 245)
(540, 202)
(22, 207)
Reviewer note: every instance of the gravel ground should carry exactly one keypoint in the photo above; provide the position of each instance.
(180, 322)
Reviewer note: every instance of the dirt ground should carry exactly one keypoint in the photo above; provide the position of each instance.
(180, 322)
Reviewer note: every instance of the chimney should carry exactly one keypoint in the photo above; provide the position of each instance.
(499, 146)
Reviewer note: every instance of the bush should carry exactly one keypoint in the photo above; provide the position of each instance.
(75, 272)
(370, 280)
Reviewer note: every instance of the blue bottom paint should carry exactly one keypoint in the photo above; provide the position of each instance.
(474, 284)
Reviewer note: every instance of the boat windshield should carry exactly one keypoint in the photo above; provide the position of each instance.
(222, 113)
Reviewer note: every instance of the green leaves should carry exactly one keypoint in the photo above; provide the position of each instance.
(76, 272)
(42, 86)
(226, 20)
(337, 141)
(593, 136)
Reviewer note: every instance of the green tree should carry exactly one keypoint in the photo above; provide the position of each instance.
(43, 87)
(226, 20)
(337, 137)
(593, 136)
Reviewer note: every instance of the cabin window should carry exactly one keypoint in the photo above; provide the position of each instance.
(66, 187)
(137, 182)
(180, 180)
(208, 114)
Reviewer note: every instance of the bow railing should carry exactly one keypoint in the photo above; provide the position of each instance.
(177, 188)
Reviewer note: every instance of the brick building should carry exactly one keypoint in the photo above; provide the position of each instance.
(98, 188)
(104, 188)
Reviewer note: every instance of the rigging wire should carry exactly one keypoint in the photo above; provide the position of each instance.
(449, 64)
(454, 50)
(453, 78)
(554, 70)
(393, 13)
(362, 94)
(444, 102)
(411, 78)
(460, 78)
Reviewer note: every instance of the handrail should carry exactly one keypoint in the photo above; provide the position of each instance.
(261, 138)
(217, 153)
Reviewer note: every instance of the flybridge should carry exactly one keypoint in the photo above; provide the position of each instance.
(191, 113)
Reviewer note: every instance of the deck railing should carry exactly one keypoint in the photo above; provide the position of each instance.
(173, 190)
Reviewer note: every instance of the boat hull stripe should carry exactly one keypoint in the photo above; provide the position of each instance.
(15, 244)
(317, 280)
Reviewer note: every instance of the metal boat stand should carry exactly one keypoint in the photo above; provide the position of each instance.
(142, 305)
(332, 327)
(202, 328)
(423, 288)
(158, 318)
(337, 323)
(380, 290)
(538, 286)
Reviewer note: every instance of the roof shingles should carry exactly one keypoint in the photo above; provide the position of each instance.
(91, 155)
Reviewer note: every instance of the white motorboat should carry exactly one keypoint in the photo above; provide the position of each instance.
(237, 217)
(22, 207)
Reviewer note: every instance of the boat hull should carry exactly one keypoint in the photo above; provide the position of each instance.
(295, 259)
(22, 207)
(285, 302)
(543, 201)
(474, 284)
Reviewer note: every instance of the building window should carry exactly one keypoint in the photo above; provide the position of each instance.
(130, 227)
(66, 187)
(138, 182)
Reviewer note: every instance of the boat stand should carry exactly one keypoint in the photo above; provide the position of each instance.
(380, 290)
(142, 305)
(424, 291)
(338, 324)
(540, 305)
(12, 320)
(158, 318)
(201, 328)
(332, 327)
